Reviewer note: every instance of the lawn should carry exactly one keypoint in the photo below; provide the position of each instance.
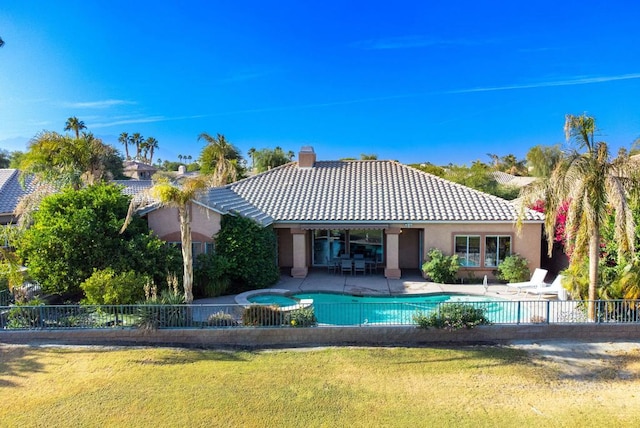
(473, 386)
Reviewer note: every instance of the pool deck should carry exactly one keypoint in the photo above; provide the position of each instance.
(378, 285)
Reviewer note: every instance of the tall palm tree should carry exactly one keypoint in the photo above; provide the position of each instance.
(124, 140)
(75, 125)
(592, 184)
(1, 42)
(176, 195)
(152, 145)
(136, 140)
(219, 158)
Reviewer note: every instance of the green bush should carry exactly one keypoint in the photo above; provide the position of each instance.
(25, 315)
(167, 311)
(514, 268)
(105, 287)
(441, 268)
(211, 275)
(262, 315)
(452, 316)
(250, 250)
(303, 317)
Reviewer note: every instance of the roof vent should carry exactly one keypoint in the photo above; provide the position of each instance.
(306, 157)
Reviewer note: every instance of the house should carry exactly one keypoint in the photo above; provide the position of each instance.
(382, 210)
(507, 179)
(11, 191)
(138, 170)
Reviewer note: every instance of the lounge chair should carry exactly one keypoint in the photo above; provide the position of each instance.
(555, 288)
(537, 280)
(359, 265)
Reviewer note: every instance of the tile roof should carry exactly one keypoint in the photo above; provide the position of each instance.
(11, 191)
(512, 180)
(358, 191)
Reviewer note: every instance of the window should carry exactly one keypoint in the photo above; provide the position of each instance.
(496, 249)
(467, 248)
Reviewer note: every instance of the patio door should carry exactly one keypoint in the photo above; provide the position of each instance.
(327, 245)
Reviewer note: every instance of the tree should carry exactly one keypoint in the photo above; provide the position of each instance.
(124, 140)
(1, 42)
(543, 159)
(179, 196)
(75, 232)
(592, 184)
(61, 160)
(220, 159)
(74, 124)
(5, 159)
(267, 159)
(136, 139)
(371, 156)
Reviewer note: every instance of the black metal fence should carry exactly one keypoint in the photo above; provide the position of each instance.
(149, 316)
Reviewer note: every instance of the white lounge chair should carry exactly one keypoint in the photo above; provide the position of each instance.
(537, 280)
(555, 288)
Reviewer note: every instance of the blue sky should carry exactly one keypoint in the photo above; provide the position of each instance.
(414, 81)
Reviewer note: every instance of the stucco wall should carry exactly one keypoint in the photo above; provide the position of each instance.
(526, 242)
(165, 224)
(317, 336)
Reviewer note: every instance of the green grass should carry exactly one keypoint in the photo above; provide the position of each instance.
(157, 387)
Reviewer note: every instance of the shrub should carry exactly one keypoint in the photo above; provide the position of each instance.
(262, 315)
(221, 319)
(441, 268)
(25, 315)
(303, 317)
(105, 287)
(211, 275)
(452, 316)
(166, 311)
(514, 268)
(250, 250)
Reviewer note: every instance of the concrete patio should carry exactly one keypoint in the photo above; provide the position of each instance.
(377, 285)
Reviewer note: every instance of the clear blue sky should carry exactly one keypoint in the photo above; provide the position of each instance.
(414, 81)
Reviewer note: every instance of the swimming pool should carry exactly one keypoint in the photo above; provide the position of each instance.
(344, 309)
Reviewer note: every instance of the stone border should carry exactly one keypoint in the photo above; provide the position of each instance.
(243, 298)
(270, 337)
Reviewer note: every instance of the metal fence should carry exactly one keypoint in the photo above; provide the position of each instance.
(322, 314)
(6, 298)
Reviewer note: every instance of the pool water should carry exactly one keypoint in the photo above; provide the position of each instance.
(344, 309)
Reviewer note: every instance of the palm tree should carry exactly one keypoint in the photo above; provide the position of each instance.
(1, 42)
(136, 139)
(591, 184)
(180, 158)
(179, 196)
(124, 140)
(75, 125)
(219, 158)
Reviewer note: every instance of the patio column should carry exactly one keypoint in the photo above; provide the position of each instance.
(392, 271)
(299, 269)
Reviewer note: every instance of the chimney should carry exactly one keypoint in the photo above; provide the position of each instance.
(306, 157)
(182, 170)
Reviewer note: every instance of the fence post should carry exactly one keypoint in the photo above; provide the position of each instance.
(548, 311)
(518, 314)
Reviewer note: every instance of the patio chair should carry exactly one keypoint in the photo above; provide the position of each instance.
(537, 280)
(332, 266)
(555, 289)
(359, 265)
(346, 266)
